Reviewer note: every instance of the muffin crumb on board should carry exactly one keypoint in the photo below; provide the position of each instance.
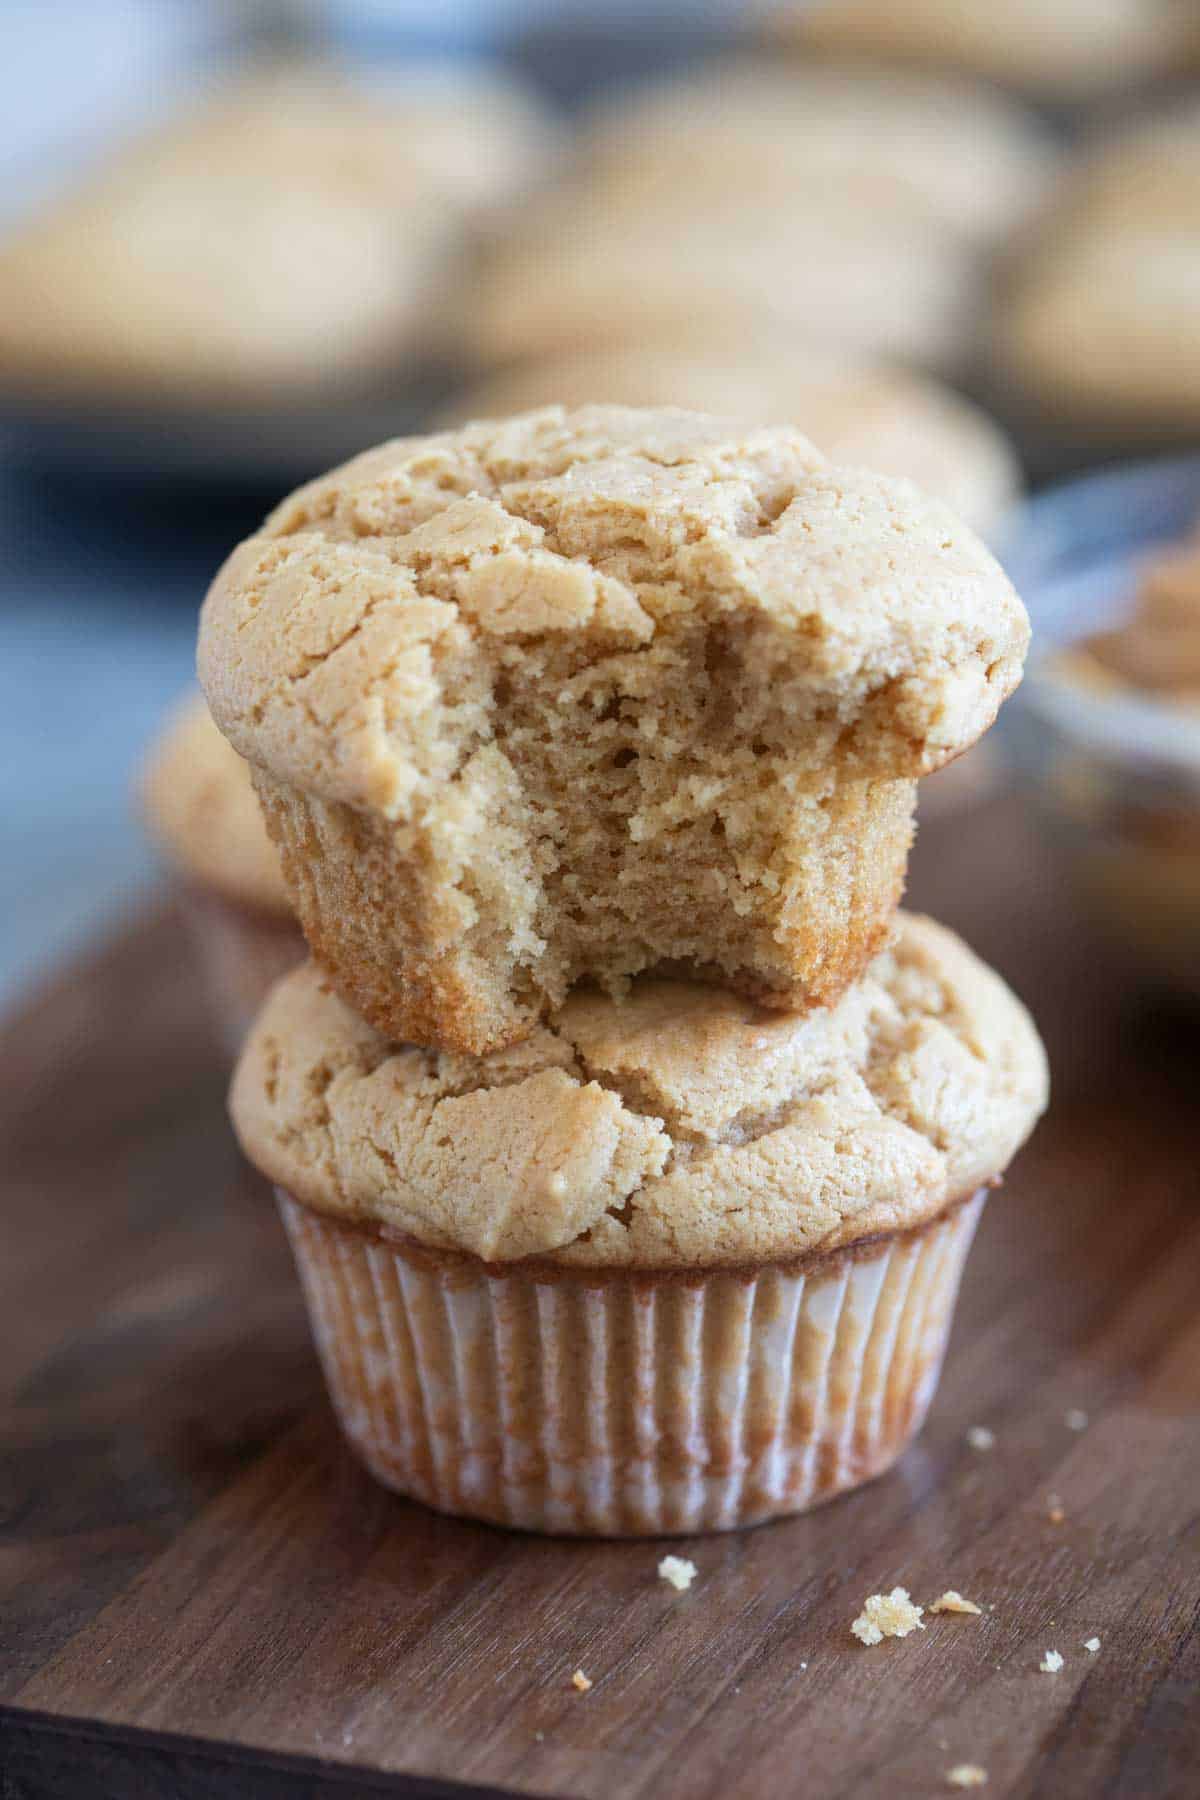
(887, 1616)
(952, 1602)
(677, 1572)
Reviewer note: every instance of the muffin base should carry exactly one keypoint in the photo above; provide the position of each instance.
(243, 952)
(628, 1403)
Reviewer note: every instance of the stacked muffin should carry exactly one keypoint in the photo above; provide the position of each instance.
(630, 1141)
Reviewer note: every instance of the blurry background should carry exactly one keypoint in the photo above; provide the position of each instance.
(950, 239)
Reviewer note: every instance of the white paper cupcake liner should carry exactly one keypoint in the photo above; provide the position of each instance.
(623, 1404)
(242, 953)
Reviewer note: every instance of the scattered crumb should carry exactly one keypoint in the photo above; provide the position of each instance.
(887, 1615)
(952, 1601)
(980, 1437)
(539, 1737)
(1056, 1515)
(678, 1571)
(1051, 1663)
(965, 1775)
(805, 1665)
(1091, 1645)
(579, 1680)
(1076, 1420)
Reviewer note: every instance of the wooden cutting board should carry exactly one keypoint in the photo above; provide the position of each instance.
(201, 1594)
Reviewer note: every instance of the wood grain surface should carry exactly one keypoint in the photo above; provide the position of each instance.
(201, 1593)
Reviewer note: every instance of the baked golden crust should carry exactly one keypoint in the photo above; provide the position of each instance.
(681, 1127)
(512, 691)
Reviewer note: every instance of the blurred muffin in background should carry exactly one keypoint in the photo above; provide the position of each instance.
(893, 420)
(1146, 175)
(1097, 324)
(286, 234)
(479, 134)
(1057, 49)
(752, 134)
(1157, 649)
(202, 812)
(586, 274)
(852, 210)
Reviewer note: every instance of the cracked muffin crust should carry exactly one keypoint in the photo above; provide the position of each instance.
(681, 1127)
(856, 410)
(581, 694)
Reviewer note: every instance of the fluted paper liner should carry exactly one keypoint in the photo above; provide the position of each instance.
(615, 1403)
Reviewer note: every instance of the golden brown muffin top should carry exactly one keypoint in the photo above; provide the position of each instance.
(360, 645)
(679, 1127)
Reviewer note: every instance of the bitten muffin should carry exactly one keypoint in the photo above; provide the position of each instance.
(580, 694)
(856, 411)
(199, 805)
(674, 1264)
